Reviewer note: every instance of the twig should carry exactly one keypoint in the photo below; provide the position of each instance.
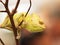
(2, 42)
(29, 8)
(6, 7)
(15, 9)
(2, 2)
(9, 28)
(2, 11)
(26, 13)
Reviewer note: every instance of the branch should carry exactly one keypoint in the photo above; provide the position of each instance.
(26, 13)
(15, 9)
(9, 28)
(2, 11)
(2, 2)
(6, 7)
(29, 8)
(11, 16)
(2, 42)
(6, 3)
